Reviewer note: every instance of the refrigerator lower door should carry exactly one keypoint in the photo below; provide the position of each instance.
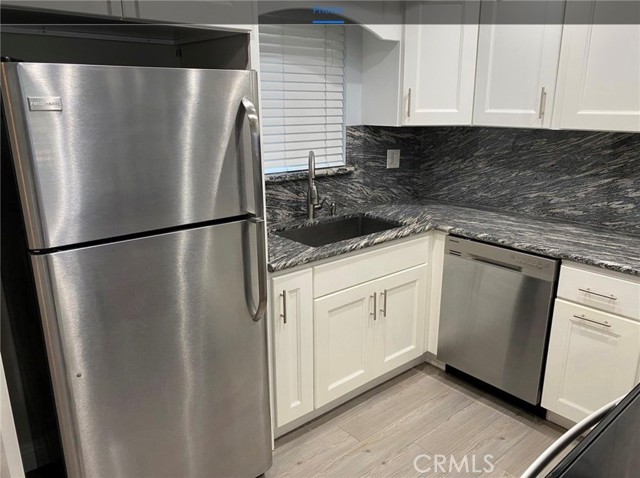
(158, 368)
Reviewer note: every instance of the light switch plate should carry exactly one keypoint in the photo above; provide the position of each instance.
(393, 158)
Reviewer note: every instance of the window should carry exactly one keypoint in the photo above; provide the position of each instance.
(302, 93)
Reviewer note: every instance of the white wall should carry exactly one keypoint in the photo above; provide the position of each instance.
(353, 75)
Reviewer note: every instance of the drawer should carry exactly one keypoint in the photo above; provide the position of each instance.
(616, 295)
(354, 270)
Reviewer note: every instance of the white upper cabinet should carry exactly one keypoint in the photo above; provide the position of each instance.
(235, 13)
(93, 7)
(517, 64)
(440, 62)
(599, 71)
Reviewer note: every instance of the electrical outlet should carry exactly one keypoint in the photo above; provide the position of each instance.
(393, 158)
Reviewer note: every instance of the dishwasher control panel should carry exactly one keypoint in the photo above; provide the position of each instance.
(522, 262)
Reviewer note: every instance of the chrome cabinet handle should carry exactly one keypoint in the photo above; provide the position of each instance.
(384, 306)
(582, 317)
(375, 306)
(283, 314)
(257, 217)
(589, 291)
(543, 102)
(409, 104)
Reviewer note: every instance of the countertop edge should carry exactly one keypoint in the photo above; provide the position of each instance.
(411, 229)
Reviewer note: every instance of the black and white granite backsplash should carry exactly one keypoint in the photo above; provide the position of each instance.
(586, 177)
(370, 183)
(581, 176)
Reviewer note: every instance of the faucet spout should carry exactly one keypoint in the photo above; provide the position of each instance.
(312, 167)
(313, 201)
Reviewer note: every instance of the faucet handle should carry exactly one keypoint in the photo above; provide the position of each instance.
(332, 208)
(319, 206)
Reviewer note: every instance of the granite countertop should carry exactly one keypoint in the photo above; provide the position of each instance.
(548, 237)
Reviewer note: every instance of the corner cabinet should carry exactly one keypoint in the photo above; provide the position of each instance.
(292, 339)
(442, 38)
(599, 70)
(517, 64)
(594, 351)
(592, 360)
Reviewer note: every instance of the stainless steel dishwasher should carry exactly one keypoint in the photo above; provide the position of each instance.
(495, 315)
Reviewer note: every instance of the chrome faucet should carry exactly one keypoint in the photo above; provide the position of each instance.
(313, 200)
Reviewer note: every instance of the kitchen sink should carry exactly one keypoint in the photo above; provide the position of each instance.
(338, 230)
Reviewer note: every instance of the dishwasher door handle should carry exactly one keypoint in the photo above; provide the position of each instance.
(502, 265)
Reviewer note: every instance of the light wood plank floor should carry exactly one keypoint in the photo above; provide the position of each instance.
(423, 411)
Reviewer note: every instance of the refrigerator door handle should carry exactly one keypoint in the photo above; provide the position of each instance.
(258, 216)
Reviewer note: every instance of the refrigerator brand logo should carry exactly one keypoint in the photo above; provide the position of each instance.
(45, 103)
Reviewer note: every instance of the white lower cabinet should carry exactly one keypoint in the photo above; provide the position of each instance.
(344, 342)
(401, 318)
(593, 359)
(368, 330)
(292, 322)
(337, 326)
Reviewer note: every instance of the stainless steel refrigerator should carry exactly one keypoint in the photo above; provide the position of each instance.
(141, 193)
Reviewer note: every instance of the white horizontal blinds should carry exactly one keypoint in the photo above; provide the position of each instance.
(302, 88)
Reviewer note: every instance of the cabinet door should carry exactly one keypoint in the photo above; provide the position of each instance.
(401, 317)
(517, 64)
(599, 69)
(344, 342)
(440, 62)
(292, 321)
(588, 364)
(88, 7)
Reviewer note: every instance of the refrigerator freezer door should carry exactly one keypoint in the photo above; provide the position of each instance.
(106, 151)
(159, 369)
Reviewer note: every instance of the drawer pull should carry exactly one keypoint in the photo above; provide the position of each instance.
(582, 317)
(543, 102)
(384, 307)
(284, 307)
(589, 291)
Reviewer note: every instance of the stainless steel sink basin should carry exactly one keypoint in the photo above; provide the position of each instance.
(338, 230)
